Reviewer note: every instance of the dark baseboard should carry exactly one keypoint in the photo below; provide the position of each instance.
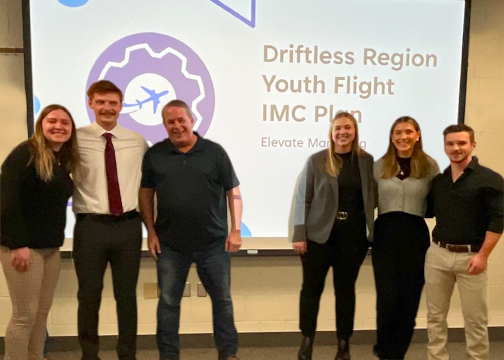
(148, 342)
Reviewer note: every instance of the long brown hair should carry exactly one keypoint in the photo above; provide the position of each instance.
(421, 163)
(334, 163)
(42, 154)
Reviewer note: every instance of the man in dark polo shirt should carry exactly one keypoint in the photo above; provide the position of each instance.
(467, 201)
(192, 177)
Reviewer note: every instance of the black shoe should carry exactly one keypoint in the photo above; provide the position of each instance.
(377, 353)
(343, 350)
(227, 357)
(306, 349)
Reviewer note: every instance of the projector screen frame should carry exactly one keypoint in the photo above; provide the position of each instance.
(260, 252)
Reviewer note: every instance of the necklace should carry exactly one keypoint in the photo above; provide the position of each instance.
(404, 165)
(404, 169)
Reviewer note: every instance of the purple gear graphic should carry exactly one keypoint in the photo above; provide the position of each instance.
(167, 57)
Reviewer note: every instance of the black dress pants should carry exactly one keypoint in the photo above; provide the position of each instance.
(344, 251)
(400, 244)
(98, 240)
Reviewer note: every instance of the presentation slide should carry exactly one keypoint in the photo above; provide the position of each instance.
(263, 78)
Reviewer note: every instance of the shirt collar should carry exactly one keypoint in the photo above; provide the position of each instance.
(473, 166)
(99, 131)
(198, 146)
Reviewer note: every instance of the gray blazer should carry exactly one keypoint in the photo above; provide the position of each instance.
(316, 199)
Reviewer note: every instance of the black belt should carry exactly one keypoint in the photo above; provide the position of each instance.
(107, 218)
(457, 247)
(346, 215)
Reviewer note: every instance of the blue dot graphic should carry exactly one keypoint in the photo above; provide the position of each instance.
(36, 104)
(245, 231)
(73, 3)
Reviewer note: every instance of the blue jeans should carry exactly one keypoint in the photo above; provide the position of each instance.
(213, 266)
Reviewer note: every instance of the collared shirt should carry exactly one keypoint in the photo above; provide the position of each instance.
(469, 207)
(191, 193)
(91, 194)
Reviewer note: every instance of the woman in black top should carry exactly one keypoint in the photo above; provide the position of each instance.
(35, 188)
(334, 202)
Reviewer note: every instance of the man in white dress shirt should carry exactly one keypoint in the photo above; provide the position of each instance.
(108, 227)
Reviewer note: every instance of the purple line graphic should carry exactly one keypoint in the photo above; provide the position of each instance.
(250, 22)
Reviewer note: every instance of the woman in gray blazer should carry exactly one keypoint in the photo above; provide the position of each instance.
(334, 205)
(401, 237)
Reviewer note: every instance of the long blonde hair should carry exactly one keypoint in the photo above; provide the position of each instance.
(334, 163)
(41, 152)
(421, 163)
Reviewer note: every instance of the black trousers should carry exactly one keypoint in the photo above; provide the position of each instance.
(399, 247)
(98, 240)
(344, 251)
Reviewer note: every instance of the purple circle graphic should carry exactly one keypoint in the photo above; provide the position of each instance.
(161, 56)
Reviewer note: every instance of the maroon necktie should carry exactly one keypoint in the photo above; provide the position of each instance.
(114, 193)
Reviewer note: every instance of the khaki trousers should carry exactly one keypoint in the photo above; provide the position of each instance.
(442, 270)
(31, 293)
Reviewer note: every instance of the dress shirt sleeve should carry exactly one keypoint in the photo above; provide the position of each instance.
(429, 213)
(227, 175)
(15, 182)
(148, 176)
(494, 198)
(302, 202)
(145, 145)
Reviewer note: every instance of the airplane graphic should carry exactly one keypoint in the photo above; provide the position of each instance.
(154, 98)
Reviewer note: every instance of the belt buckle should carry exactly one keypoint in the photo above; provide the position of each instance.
(454, 248)
(341, 215)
